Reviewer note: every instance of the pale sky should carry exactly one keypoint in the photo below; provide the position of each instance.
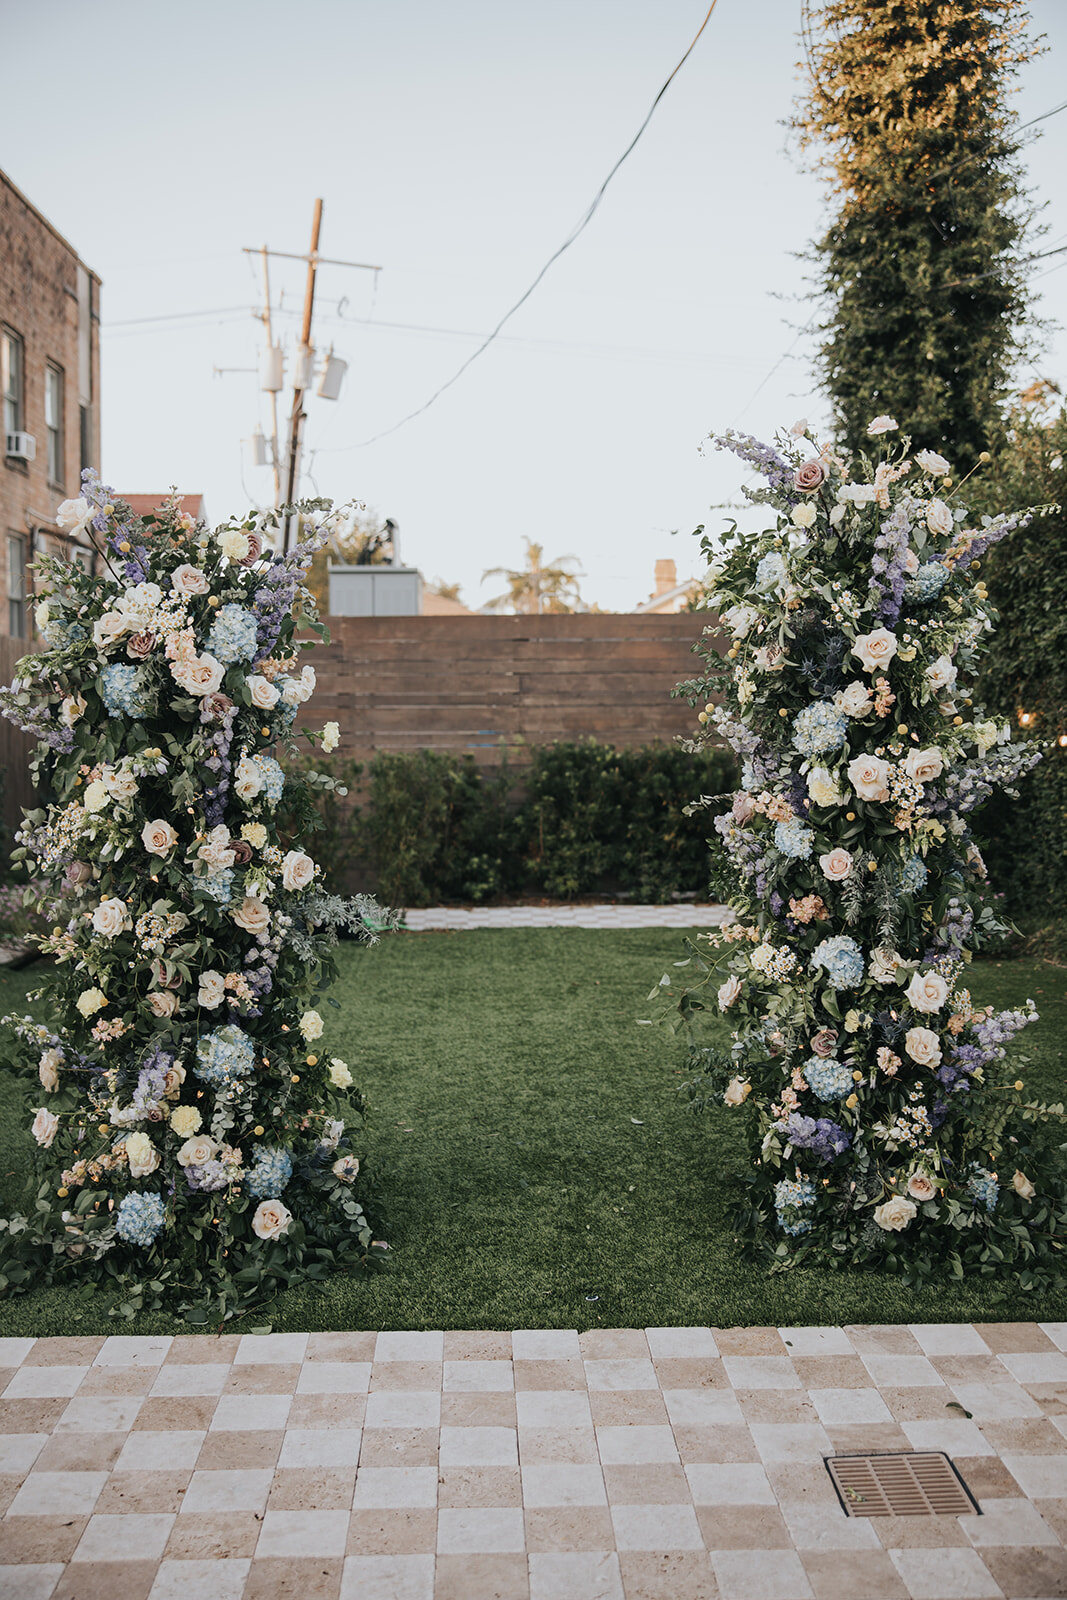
(455, 145)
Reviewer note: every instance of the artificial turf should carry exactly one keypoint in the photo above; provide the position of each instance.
(534, 1157)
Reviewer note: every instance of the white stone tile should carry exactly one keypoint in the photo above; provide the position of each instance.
(18, 1451)
(1040, 1477)
(201, 1377)
(258, 1349)
(245, 1489)
(659, 1527)
(1008, 1522)
(244, 1411)
(553, 1408)
(201, 1580)
(100, 1413)
(761, 1372)
(949, 1339)
(13, 1353)
(395, 1488)
(44, 1383)
(791, 1441)
(409, 1347)
(545, 1344)
(147, 1451)
(132, 1536)
(838, 1406)
(1057, 1332)
(816, 1341)
(633, 1374)
(956, 1574)
(123, 1350)
(681, 1344)
(814, 1528)
(901, 1372)
(36, 1579)
(575, 1575)
(320, 1447)
(318, 1535)
(739, 1483)
(760, 1575)
(480, 1530)
(621, 1446)
(1037, 1366)
(954, 1435)
(334, 1377)
(404, 1408)
(478, 1377)
(559, 1483)
(388, 1578)
(702, 1408)
(479, 1447)
(58, 1494)
(995, 1402)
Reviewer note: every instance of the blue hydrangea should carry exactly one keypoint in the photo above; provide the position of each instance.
(983, 1187)
(913, 875)
(140, 1218)
(819, 728)
(225, 1056)
(842, 960)
(791, 1197)
(233, 635)
(771, 572)
(828, 1079)
(928, 582)
(219, 885)
(208, 1177)
(124, 691)
(269, 1174)
(793, 839)
(273, 777)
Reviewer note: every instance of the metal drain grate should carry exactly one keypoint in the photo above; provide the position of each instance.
(904, 1484)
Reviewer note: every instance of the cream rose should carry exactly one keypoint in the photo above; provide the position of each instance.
(200, 676)
(95, 797)
(737, 1092)
(185, 1121)
(939, 518)
(212, 990)
(108, 629)
(158, 837)
(264, 695)
(162, 1002)
(869, 776)
(875, 650)
(923, 1047)
(233, 542)
(91, 1001)
(75, 515)
(271, 1220)
(248, 780)
(298, 870)
(941, 674)
(142, 1155)
(923, 766)
(194, 1152)
(929, 461)
(111, 917)
(836, 864)
(48, 1070)
(855, 699)
(894, 1215)
(822, 787)
(331, 737)
(44, 1127)
(172, 1083)
(882, 424)
(311, 1025)
(252, 915)
(729, 991)
(340, 1075)
(927, 991)
(187, 579)
(921, 1187)
(1022, 1186)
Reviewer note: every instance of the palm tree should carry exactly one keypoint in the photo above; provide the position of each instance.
(537, 588)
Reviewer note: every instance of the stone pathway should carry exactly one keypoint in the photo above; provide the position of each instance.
(453, 919)
(666, 1464)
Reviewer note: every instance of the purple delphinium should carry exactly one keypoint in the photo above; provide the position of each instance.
(128, 530)
(888, 572)
(763, 457)
(994, 530)
(825, 1139)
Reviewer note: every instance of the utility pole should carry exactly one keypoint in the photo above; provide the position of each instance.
(268, 326)
(302, 373)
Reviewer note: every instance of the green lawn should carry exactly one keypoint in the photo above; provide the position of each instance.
(537, 1164)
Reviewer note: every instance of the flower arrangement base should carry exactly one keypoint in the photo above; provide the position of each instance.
(199, 1148)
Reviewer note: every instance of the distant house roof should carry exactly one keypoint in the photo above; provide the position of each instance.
(142, 504)
(671, 599)
(439, 605)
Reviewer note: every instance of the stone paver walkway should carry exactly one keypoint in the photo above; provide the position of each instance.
(666, 1464)
(438, 919)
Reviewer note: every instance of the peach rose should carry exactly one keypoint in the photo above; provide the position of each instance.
(836, 865)
(158, 837)
(271, 1220)
(194, 1152)
(162, 1002)
(809, 476)
(188, 580)
(737, 1092)
(923, 766)
(921, 1187)
(200, 676)
(869, 776)
(252, 915)
(894, 1215)
(876, 649)
(298, 870)
(729, 991)
(923, 1046)
(927, 991)
(264, 695)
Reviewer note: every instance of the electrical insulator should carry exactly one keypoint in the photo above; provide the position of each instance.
(272, 369)
(259, 447)
(304, 367)
(332, 377)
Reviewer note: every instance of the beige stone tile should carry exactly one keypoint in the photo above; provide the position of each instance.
(340, 1347)
(667, 1575)
(613, 1344)
(776, 1405)
(479, 1486)
(281, 1578)
(1051, 1397)
(968, 1369)
(626, 1409)
(474, 1346)
(481, 1577)
(883, 1339)
(473, 1376)
(569, 1528)
(312, 1489)
(760, 1575)
(106, 1580)
(670, 1343)
(662, 1484)
(1026, 1436)
(801, 1483)
(853, 1575)
(237, 1450)
(691, 1372)
(80, 1452)
(749, 1342)
(743, 1528)
(945, 1574)
(832, 1372)
(919, 1403)
(421, 1375)
(541, 1445)
(117, 1380)
(213, 1536)
(410, 1346)
(400, 1447)
(1054, 1513)
(31, 1416)
(1014, 1337)
(39, 1539)
(852, 1438)
(656, 1527)
(76, 1352)
(327, 1411)
(1028, 1572)
(478, 1410)
(160, 1413)
(921, 1533)
(144, 1492)
(10, 1484)
(549, 1375)
(268, 1377)
(412, 1531)
(986, 1476)
(545, 1344)
(726, 1443)
(187, 1348)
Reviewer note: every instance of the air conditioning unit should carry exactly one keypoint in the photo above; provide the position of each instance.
(22, 446)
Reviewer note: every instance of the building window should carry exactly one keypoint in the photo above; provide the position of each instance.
(12, 370)
(53, 421)
(85, 438)
(16, 585)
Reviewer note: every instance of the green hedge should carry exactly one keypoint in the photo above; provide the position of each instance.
(430, 827)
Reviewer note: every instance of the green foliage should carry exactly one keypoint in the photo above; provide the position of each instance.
(908, 107)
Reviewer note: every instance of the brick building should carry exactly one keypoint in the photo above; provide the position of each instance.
(49, 390)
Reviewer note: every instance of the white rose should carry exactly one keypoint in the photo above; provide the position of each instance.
(941, 674)
(264, 695)
(188, 580)
(822, 787)
(307, 681)
(71, 708)
(927, 991)
(142, 1155)
(139, 605)
(984, 735)
(44, 1127)
(939, 518)
(119, 785)
(929, 461)
(252, 915)
(194, 1152)
(108, 629)
(804, 515)
(869, 776)
(248, 780)
(737, 1092)
(212, 990)
(200, 676)
(894, 1215)
(331, 737)
(1022, 1186)
(162, 1002)
(882, 424)
(271, 1220)
(837, 516)
(311, 1025)
(298, 870)
(855, 699)
(48, 1070)
(856, 494)
(111, 917)
(340, 1075)
(233, 543)
(923, 1047)
(739, 619)
(875, 649)
(924, 765)
(921, 1186)
(74, 516)
(836, 865)
(158, 837)
(729, 991)
(95, 797)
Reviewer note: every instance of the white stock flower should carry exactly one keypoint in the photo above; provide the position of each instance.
(95, 797)
(331, 737)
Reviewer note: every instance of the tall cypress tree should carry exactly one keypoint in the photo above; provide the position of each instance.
(907, 107)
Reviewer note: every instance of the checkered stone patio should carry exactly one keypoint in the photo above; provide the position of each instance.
(664, 1464)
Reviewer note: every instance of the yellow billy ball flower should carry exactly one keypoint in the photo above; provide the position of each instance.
(852, 1102)
(258, 1131)
(1019, 1084)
